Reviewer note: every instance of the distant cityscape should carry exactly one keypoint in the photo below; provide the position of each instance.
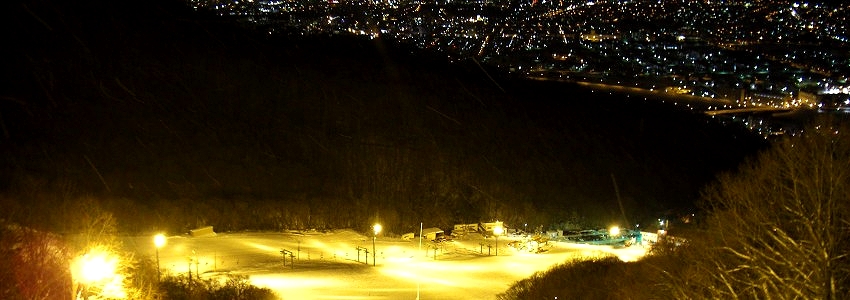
(751, 56)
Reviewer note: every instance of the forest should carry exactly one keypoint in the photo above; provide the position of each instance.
(169, 119)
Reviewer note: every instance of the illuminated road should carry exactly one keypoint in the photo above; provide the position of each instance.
(757, 109)
(648, 93)
(328, 267)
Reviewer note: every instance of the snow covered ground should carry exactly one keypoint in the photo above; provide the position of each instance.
(327, 265)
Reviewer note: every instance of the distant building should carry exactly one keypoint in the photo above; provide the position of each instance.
(432, 233)
(464, 228)
(808, 97)
(825, 100)
(488, 227)
(835, 101)
(201, 232)
(595, 37)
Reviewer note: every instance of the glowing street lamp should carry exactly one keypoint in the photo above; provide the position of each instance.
(97, 272)
(158, 241)
(498, 230)
(376, 228)
(96, 267)
(614, 231)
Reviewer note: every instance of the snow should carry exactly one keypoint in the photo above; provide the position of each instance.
(327, 266)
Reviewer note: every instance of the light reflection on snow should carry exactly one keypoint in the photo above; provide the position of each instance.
(289, 282)
(327, 267)
(262, 247)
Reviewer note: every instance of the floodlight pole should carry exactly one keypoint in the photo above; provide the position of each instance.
(158, 272)
(158, 241)
(375, 229)
(497, 231)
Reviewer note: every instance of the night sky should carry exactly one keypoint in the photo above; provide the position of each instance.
(171, 119)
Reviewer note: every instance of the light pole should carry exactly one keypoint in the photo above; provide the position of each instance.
(158, 241)
(498, 230)
(376, 228)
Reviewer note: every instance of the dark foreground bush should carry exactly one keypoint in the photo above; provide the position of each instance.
(236, 287)
(33, 264)
(600, 278)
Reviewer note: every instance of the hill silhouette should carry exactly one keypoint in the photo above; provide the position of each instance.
(171, 118)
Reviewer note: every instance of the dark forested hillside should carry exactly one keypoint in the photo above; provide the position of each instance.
(170, 119)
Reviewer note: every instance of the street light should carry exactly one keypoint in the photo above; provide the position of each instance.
(498, 230)
(614, 231)
(158, 241)
(376, 228)
(96, 274)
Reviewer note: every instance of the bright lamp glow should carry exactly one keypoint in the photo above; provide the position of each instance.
(377, 228)
(159, 240)
(614, 231)
(97, 270)
(498, 230)
(96, 267)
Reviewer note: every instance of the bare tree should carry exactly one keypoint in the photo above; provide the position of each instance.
(33, 264)
(779, 228)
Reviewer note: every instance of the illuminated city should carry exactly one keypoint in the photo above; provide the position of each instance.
(413, 149)
(776, 54)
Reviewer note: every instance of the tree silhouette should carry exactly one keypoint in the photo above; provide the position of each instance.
(34, 264)
(778, 228)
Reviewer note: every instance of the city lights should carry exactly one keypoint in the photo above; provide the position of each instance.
(702, 60)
